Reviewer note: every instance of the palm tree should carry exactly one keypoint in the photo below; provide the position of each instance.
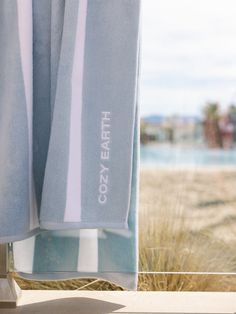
(211, 126)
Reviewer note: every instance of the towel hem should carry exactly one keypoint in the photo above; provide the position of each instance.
(82, 225)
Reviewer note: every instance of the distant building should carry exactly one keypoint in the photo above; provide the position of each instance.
(174, 129)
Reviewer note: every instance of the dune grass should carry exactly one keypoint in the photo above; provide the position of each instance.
(169, 246)
(186, 224)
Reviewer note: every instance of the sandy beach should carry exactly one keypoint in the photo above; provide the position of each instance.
(197, 202)
(204, 198)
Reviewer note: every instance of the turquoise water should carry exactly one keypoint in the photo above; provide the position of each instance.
(155, 155)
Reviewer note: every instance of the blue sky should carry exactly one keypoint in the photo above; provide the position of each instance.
(188, 55)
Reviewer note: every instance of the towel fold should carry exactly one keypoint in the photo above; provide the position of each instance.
(87, 179)
(109, 254)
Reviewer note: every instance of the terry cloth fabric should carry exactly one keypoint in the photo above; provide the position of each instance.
(109, 254)
(67, 96)
(18, 209)
(87, 180)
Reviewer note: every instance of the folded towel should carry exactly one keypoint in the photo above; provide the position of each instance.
(87, 179)
(18, 208)
(109, 254)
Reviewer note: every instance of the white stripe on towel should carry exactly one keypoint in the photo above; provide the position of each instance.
(26, 263)
(25, 25)
(88, 251)
(73, 199)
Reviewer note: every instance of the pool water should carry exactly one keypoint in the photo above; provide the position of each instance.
(156, 155)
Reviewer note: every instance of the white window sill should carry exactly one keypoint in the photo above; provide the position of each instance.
(104, 302)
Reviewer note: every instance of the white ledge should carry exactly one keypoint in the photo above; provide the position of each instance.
(105, 302)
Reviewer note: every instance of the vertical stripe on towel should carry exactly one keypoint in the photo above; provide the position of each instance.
(73, 195)
(25, 25)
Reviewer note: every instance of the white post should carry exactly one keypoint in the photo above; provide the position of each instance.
(9, 290)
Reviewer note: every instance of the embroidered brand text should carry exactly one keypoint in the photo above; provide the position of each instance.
(105, 146)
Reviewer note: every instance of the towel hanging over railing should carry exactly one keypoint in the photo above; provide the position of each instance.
(68, 137)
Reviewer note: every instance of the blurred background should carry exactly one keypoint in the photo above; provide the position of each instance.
(188, 88)
(188, 145)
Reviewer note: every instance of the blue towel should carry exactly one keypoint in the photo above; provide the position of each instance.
(69, 137)
(87, 179)
(67, 104)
